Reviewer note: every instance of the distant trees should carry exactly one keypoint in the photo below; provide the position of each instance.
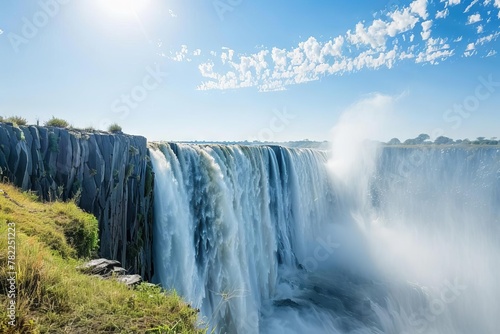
(484, 141)
(442, 140)
(417, 141)
(423, 139)
(394, 141)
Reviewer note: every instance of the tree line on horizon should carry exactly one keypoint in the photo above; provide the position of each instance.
(424, 139)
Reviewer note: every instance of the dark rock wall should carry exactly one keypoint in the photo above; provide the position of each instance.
(109, 175)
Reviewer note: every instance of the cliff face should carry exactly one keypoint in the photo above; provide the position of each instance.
(109, 175)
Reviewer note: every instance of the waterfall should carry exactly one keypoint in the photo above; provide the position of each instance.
(266, 239)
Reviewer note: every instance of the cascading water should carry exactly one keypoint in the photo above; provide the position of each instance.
(275, 240)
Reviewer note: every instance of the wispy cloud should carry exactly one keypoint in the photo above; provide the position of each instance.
(442, 14)
(182, 55)
(491, 53)
(470, 6)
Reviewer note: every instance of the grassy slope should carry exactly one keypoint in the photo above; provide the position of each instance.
(53, 297)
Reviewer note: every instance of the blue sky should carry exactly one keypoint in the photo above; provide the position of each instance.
(252, 69)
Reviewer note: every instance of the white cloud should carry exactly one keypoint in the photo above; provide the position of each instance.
(474, 18)
(279, 58)
(197, 52)
(381, 42)
(312, 50)
(426, 30)
(1, 31)
(419, 7)
(374, 35)
(207, 70)
(226, 55)
(497, 5)
(442, 14)
(333, 48)
(437, 50)
(172, 14)
(296, 57)
(470, 6)
(401, 21)
(181, 55)
(470, 50)
(487, 39)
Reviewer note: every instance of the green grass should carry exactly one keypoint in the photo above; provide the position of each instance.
(114, 128)
(54, 297)
(18, 120)
(57, 122)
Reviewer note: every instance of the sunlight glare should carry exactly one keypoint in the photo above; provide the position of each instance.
(124, 8)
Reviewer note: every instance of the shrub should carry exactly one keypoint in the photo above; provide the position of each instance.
(18, 120)
(57, 122)
(114, 128)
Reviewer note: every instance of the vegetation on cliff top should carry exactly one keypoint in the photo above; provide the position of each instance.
(53, 296)
(57, 122)
(114, 128)
(17, 120)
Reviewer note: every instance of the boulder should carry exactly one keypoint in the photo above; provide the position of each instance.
(106, 269)
(130, 280)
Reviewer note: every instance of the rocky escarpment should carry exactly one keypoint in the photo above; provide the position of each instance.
(109, 175)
